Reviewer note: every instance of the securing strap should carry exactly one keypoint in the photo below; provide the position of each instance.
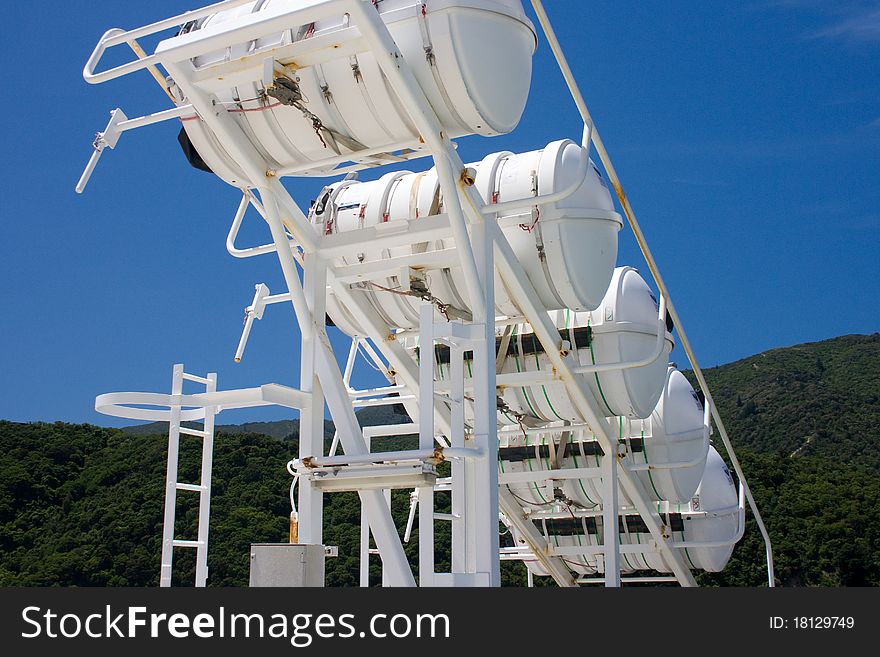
(422, 18)
(501, 357)
(558, 449)
(368, 102)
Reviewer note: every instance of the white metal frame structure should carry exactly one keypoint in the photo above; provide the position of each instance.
(436, 409)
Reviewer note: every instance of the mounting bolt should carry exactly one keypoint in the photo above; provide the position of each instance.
(468, 176)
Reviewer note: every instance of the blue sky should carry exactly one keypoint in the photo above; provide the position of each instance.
(747, 135)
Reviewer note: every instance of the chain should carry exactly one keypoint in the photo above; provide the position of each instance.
(424, 295)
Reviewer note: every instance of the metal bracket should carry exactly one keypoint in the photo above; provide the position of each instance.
(109, 137)
(253, 311)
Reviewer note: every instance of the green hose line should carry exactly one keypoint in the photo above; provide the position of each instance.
(534, 483)
(593, 358)
(543, 388)
(688, 554)
(580, 481)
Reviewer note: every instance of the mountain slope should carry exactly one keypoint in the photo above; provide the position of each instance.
(817, 399)
(82, 505)
(282, 429)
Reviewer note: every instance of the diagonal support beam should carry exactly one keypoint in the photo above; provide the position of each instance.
(407, 371)
(336, 395)
(521, 288)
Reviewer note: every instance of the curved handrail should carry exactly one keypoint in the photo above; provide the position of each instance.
(648, 360)
(119, 404)
(517, 204)
(707, 430)
(248, 199)
(117, 36)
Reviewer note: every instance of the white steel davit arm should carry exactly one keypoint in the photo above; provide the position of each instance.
(590, 127)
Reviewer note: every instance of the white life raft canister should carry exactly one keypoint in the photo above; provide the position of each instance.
(675, 435)
(568, 248)
(472, 58)
(624, 328)
(711, 517)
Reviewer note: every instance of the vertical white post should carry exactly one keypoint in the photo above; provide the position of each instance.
(346, 379)
(386, 580)
(335, 393)
(426, 441)
(484, 487)
(460, 497)
(311, 427)
(171, 481)
(365, 539)
(365, 550)
(205, 491)
(610, 531)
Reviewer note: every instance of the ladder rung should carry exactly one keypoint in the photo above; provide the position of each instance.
(196, 488)
(187, 544)
(193, 432)
(195, 379)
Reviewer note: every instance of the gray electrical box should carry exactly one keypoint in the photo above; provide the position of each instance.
(283, 564)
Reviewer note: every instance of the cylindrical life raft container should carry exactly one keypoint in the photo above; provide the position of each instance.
(568, 248)
(711, 517)
(472, 58)
(676, 433)
(673, 442)
(627, 330)
(623, 329)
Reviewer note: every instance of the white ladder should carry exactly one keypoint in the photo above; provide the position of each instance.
(172, 485)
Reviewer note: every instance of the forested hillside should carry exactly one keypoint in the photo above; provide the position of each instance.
(818, 399)
(82, 505)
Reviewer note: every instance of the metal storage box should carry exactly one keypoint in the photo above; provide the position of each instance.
(283, 564)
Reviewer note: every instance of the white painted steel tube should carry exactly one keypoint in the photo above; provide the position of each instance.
(288, 264)
(156, 117)
(440, 454)
(506, 206)
(90, 169)
(116, 36)
(199, 379)
(111, 35)
(375, 392)
(648, 360)
(403, 81)
(171, 481)
(205, 480)
(388, 430)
